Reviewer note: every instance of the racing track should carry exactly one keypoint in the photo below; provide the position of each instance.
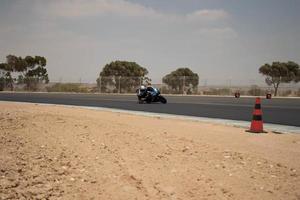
(276, 111)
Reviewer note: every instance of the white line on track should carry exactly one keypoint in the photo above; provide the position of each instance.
(243, 124)
(211, 104)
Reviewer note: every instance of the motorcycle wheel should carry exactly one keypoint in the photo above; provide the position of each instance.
(140, 101)
(148, 101)
(162, 99)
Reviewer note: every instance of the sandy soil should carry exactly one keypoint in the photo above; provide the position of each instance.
(55, 152)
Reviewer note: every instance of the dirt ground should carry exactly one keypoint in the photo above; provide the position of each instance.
(56, 152)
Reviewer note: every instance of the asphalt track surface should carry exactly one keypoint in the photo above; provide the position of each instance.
(283, 111)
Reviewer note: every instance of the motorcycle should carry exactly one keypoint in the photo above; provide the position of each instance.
(150, 95)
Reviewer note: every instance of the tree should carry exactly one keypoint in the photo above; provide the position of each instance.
(2, 80)
(182, 80)
(35, 72)
(16, 64)
(30, 70)
(122, 76)
(280, 72)
(6, 80)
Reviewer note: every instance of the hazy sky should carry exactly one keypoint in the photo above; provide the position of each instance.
(218, 39)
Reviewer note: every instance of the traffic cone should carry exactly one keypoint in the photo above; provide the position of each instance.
(257, 122)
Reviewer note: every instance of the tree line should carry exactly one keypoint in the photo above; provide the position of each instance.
(124, 76)
(184, 79)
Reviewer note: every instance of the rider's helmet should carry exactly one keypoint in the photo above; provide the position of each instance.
(142, 87)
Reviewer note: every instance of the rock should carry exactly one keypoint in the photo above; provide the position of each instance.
(185, 148)
(93, 181)
(279, 165)
(64, 167)
(261, 188)
(72, 179)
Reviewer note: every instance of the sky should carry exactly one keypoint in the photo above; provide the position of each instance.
(220, 40)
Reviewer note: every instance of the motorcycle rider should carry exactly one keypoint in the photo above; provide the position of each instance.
(142, 91)
(146, 92)
(150, 90)
(149, 94)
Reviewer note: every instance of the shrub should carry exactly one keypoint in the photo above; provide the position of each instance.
(298, 93)
(218, 91)
(67, 87)
(286, 93)
(256, 91)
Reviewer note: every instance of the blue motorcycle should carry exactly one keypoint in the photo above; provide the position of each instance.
(150, 95)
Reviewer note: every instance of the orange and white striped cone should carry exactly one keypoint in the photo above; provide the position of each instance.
(257, 122)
